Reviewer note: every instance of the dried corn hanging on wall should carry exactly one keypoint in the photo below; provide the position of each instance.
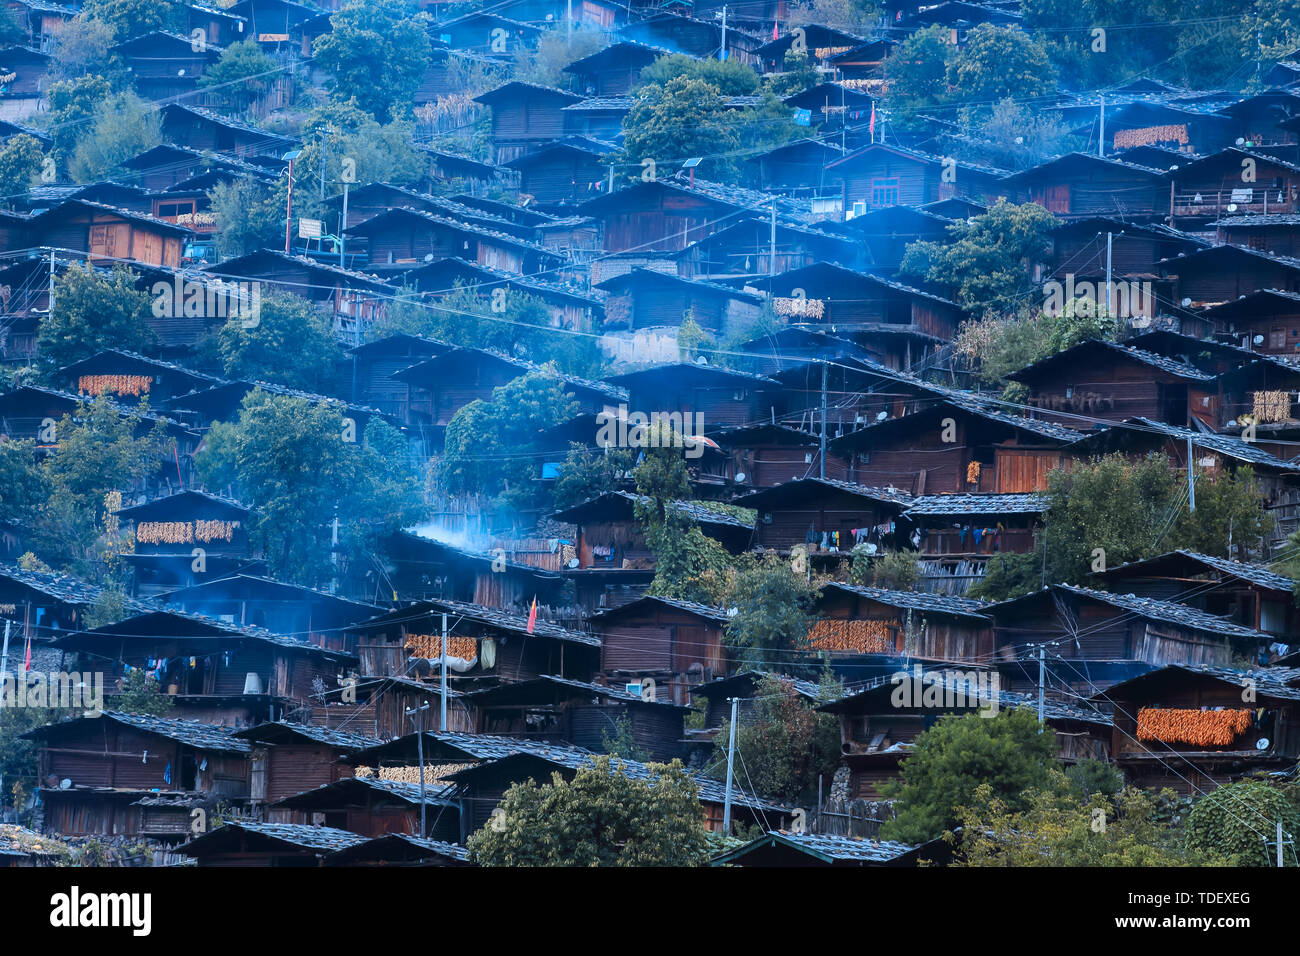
(430, 646)
(865, 637)
(1201, 728)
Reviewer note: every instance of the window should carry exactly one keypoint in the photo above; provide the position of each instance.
(884, 192)
(1277, 339)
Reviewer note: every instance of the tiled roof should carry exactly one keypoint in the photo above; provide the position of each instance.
(1224, 444)
(192, 733)
(1161, 362)
(892, 495)
(691, 607)
(64, 587)
(1252, 573)
(494, 617)
(323, 839)
(827, 847)
(324, 735)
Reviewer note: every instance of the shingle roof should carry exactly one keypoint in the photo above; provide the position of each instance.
(192, 733)
(692, 607)
(926, 601)
(1160, 362)
(1253, 573)
(324, 839)
(64, 587)
(978, 504)
(1169, 612)
(493, 617)
(324, 735)
(1271, 681)
(1224, 444)
(826, 847)
(891, 495)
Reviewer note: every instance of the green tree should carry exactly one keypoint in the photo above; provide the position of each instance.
(488, 444)
(82, 47)
(774, 613)
(124, 126)
(1238, 820)
(997, 62)
(1055, 826)
(133, 18)
(11, 32)
(1016, 136)
(341, 132)
(916, 76)
(23, 484)
(21, 159)
(250, 216)
(787, 745)
(139, 693)
(602, 817)
(988, 261)
(954, 757)
(556, 48)
(93, 312)
(74, 106)
(586, 473)
(376, 51)
(292, 344)
(240, 75)
(300, 464)
(895, 570)
(729, 77)
(675, 121)
(622, 742)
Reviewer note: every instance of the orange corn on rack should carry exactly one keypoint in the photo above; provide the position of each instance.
(1202, 728)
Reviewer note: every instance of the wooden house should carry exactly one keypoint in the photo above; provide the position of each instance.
(878, 175)
(1247, 594)
(746, 249)
(1219, 274)
(683, 34)
(677, 644)
(1232, 182)
(129, 376)
(1108, 380)
(44, 605)
(95, 770)
(201, 129)
(570, 307)
(597, 117)
(863, 66)
(166, 166)
(715, 396)
(1080, 247)
(853, 619)
(879, 725)
(1101, 637)
(241, 843)
(562, 173)
(483, 643)
(611, 536)
(400, 239)
(795, 346)
(1265, 321)
(959, 17)
(287, 609)
(351, 300)
(830, 107)
(220, 27)
(615, 70)
(581, 714)
(786, 850)
(216, 671)
(1275, 234)
(818, 41)
(956, 446)
(1151, 123)
(826, 516)
(1081, 185)
(110, 233)
(963, 531)
(487, 32)
(425, 568)
(642, 299)
(26, 69)
(717, 694)
(278, 26)
(766, 455)
(185, 538)
(660, 215)
(373, 807)
(289, 758)
(524, 117)
(886, 232)
(163, 65)
(375, 363)
(401, 849)
(459, 171)
(1192, 728)
(42, 21)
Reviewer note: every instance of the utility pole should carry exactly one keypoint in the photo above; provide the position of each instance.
(569, 17)
(50, 310)
(1110, 301)
(771, 251)
(822, 455)
(288, 210)
(419, 748)
(1279, 842)
(1101, 140)
(722, 54)
(4, 661)
(343, 228)
(1191, 478)
(731, 758)
(1042, 681)
(324, 137)
(442, 725)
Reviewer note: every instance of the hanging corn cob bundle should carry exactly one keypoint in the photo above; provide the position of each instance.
(214, 530)
(1272, 406)
(801, 308)
(1201, 728)
(864, 637)
(429, 646)
(117, 384)
(164, 532)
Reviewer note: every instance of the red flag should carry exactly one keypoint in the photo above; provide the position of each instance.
(27, 664)
(872, 126)
(774, 33)
(532, 617)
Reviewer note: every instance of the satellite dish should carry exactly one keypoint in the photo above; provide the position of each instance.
(1241, 141)
(1232, 207)
(1261, 744)
(881, 416)
(428, 257)
(1258, 340)
(65, 784)
(740, 477)
(573, 562)
(1186, 302)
